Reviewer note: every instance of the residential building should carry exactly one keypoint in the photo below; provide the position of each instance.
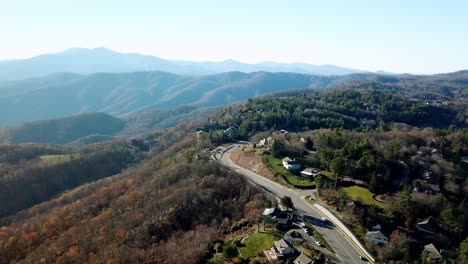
(275, 216)
(310, 173)
(432, 252)
(426, 225)
(291, 165)
(280, 249)
(303, 259)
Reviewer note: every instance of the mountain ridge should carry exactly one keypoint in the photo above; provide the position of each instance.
(89, 61)
(124, 93)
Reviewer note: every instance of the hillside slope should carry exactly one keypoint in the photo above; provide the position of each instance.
(63, 130)
(172, 198)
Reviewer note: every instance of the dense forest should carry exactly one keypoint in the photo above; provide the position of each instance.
(34, 173)
(146, 214)
(360, 109)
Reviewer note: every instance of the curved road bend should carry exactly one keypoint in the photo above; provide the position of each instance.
(344, 249)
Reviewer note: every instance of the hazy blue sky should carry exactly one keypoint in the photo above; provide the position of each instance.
(398, 36)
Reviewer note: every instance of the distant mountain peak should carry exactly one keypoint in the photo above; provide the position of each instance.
(87, 50)
(101, 59)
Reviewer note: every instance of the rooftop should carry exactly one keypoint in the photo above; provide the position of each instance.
(281, 244)
(303, 259)
(432, 251)
(376, 234)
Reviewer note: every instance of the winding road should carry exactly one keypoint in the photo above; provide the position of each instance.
(346, 251)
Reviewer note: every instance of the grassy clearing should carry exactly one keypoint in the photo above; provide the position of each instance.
(318, 237)
(57, 159)
(277, 166)
(259, 241)
(358, 193)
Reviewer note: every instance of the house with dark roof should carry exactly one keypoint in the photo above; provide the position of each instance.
(426, 225)
(291, 165)
(275, 216)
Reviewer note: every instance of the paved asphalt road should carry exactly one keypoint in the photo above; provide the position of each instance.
(345, 251)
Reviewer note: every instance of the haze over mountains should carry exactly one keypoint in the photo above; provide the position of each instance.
(88, 61)
(148, 88)
(119, 94)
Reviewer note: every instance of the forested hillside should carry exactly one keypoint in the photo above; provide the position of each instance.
(362, 109)
(31, 174)
(174, 198)
(34, 173)
(64, 130)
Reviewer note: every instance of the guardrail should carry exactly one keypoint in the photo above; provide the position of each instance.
(345, 230)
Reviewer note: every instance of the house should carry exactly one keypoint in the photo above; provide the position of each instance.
(432, 252)
(265, 142)
(303, 259)
(430, 177)
(271, 212)
(427, 225)
(275, 216)
(262, 143)
(291, 165)
(376, 238)
(310, 173)
(280, 249)
(232, 129)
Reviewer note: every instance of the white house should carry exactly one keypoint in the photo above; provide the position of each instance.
(291, 165)
(376, 238)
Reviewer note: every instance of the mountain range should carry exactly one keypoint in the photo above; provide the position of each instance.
(89, 61)
(119, 94)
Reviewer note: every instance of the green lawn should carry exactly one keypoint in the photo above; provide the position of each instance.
(277, 166)
(363, 195)
(259, 241)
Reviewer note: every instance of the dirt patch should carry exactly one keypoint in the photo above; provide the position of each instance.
(246, 158)
(383, 198)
